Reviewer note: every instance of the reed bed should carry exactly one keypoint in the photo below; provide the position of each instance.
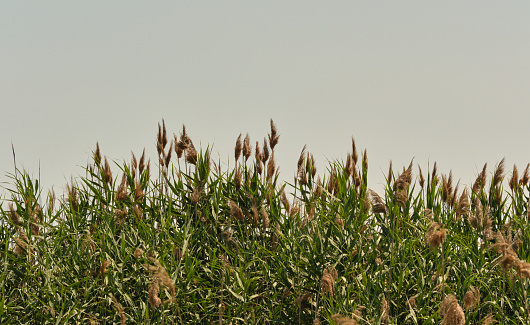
(181, 241)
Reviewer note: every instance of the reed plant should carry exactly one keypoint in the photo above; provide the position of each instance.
(184, 241)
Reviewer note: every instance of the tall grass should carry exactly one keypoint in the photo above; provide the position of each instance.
(182, 241)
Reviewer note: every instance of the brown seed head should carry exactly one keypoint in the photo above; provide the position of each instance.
(13, 215)
(472, 298)
(121, 193)
(300, 163)
(343, 320)
(403, 181)
(390, 173)
(385, 311)
(103, 268)
(451, 311)
(107, 173)
(378, 205)
(164, 134)
(514, 180)
(328, 283)
(285, 202)
(138, 252)
(499, 174)
(237, 177)
(526, 176)
(191, 154)
(271, 167)
(236, 211)
(97, 155)
(422, 180)
(273, 136)
(141, 165)
(168, 157)
(435, 235)
(489, 320)
(247, 150)
(153, 294)
(355, 157)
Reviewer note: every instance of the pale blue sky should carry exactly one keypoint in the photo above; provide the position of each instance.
(439, 81)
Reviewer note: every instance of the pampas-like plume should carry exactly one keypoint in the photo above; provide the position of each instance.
(271, 167)
(403, 181)
(121, 193)
(463, 205)
(97, 155)
(247, 150)
(300, 163)
(523, 269)
(343, 320)
(354, 155)
(328, 280)
(141, 164)
(422, 180)
(499, 174)
(273, 136)
(451, 312)
(447, 188)
(236, 211)
(526, 176)
(265, 218)
(191, 153)
(435, 235)
(285, 202)
(489, 320)
(385, 311)
(480, 182)
(159, 276)
(472, 298)
(237, 177)
(107, 173)
(378, 205)
(514, 180)
(13, 215)
(103, 268)
(265, 151)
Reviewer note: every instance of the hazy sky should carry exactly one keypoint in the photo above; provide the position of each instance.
(439, 81)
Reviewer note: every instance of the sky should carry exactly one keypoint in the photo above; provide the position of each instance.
(434, 81)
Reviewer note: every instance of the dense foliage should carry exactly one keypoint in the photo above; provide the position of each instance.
(190, 243)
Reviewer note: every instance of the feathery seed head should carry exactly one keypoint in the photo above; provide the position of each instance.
(273, 136)
(247, 150)
(514, 180)
(451, 311)
(97, 155)
(526, 176)
(499, 174)
(472, 298)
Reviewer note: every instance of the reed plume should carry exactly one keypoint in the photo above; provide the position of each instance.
(499, 174)
(343, 320)
(526, 176)
(451, 312)
(472, 298)
(273, 136)
(97, 155)
(435, 235)
(514, 180)
(235, 211)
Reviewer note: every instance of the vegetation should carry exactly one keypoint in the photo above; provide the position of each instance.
(191, 243)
